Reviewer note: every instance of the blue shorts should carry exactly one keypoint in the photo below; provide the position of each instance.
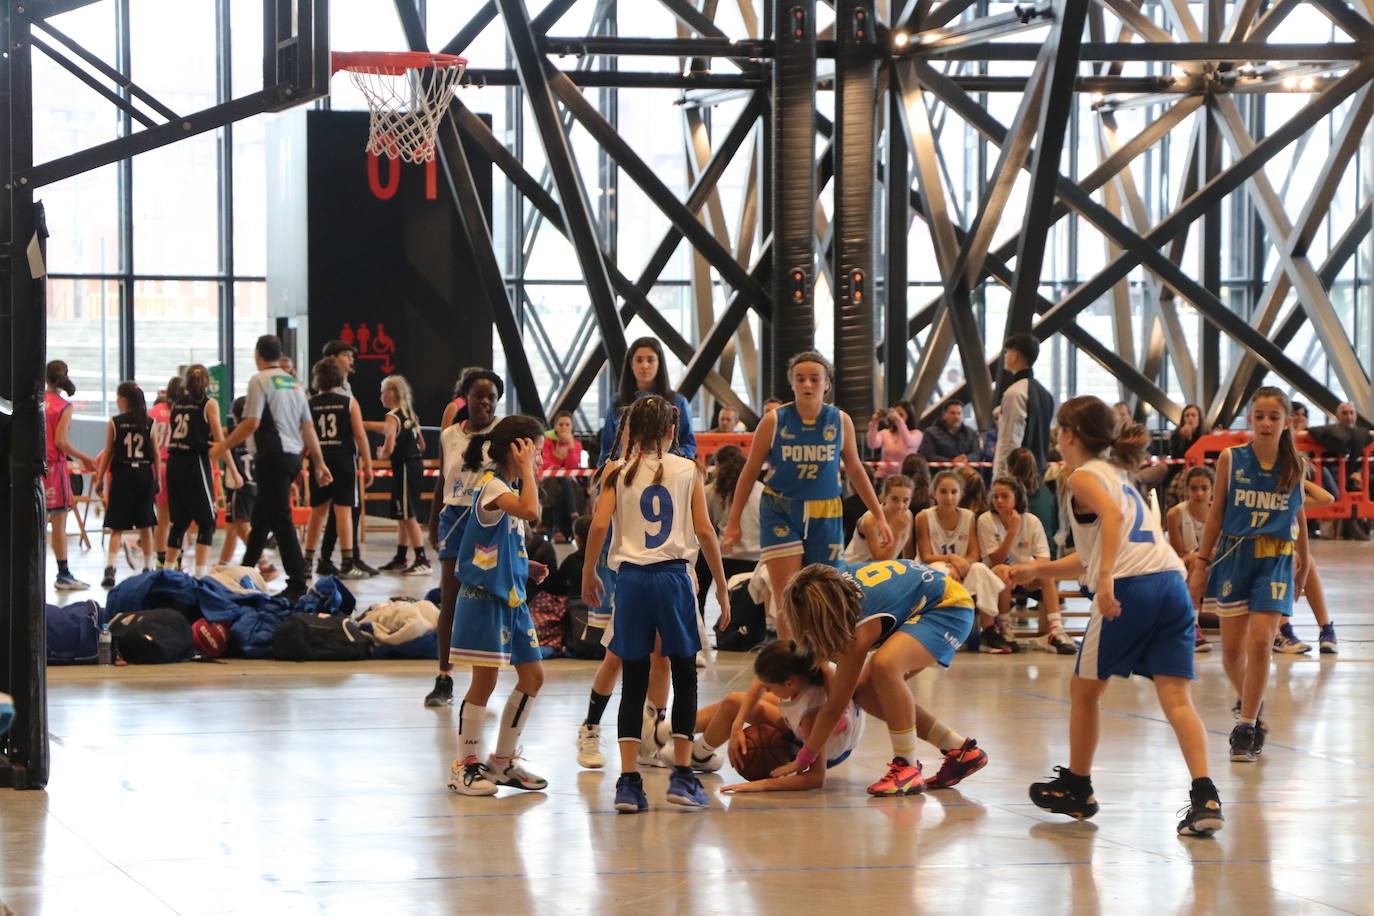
(451, 523)
(601, 616)
(811, 528)
(1250, 574)
(942, 630)
(1154, 634)
(655, 600)
(487, 631)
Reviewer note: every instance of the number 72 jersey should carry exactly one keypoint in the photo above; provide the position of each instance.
(653, 521)
(1143, 550)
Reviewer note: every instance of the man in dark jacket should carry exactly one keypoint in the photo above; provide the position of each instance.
(1027, 408)
(948, 439)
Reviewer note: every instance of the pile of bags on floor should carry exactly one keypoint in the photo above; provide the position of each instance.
(168, 616)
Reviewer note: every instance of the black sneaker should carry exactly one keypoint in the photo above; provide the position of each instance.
(396, 564)
(359, 563)
(1202, 817)
(993, 642)
(1243, 743)
(1261, 733)
(108, 581)
(293, 592)
(325, 567)
(442, 694)
(1065, 794)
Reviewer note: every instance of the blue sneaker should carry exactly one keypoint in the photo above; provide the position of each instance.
(685, 789)
(629, 794)
(66, 582)
(6, 712)
(1327, 639)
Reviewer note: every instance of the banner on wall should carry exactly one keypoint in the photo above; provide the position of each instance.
(219, 390)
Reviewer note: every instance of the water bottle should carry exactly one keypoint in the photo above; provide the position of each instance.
(105, 646)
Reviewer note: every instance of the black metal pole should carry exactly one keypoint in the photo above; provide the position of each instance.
(898, 226)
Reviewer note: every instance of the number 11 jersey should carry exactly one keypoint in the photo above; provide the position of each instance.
(653, 521)
(1143, 550)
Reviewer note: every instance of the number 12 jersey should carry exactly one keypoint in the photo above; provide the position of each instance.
(653, 521)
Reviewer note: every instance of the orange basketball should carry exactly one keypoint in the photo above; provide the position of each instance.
(765, 749)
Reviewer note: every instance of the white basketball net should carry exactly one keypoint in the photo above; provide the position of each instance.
(406, 108)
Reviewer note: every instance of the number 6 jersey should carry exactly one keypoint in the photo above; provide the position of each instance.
(653, 520)
(1143, 550)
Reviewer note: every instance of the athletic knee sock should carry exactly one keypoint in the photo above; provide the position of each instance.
(596, 708)
(513, 719)
(903, 743)
(942, 737)
(471, 718)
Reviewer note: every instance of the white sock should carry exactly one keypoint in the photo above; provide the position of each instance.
(513, 719)
(943, 738)
(1053, 622)
(471, 718)
(702, 749)
(903, 743)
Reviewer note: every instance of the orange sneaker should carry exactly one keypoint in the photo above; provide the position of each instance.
(959, 764)
(902, 779)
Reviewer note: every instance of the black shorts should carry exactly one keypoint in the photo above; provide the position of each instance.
(130, 499)
(343, 489)
(191, 497)
(407, 480)
(240, 508)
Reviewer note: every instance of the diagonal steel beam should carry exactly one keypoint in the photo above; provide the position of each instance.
(572, 197)
(1312, 294)
(1061, 48)
(483, 17)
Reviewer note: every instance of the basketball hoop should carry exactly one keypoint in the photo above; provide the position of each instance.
(407, 93)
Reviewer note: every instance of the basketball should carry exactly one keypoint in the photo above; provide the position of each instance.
(765, 749)
(210, 639)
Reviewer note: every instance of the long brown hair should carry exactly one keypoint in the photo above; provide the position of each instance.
(1290, 465)
(1099, 428)
(917, 469)
(56, 374)
(649, 420)
(628, 388)
(1022, 465)
(821, 608)
(197, 384)
(975, 490)
(498, 442)
(729, 464)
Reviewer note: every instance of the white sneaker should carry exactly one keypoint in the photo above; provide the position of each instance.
(707, 763)
(589, 755)
(655, 734)
(469, 777)
(509, 772)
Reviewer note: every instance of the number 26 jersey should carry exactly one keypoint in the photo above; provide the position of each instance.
(653, 521)
(1143, 550)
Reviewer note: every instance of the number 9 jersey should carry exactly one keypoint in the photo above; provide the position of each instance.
(1143, 550)
(653, 521)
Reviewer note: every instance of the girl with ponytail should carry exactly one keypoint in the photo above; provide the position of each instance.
(1253, 558)
(57, 481)
(132, 460)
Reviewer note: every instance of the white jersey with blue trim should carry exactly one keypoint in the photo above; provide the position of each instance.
(944, 540)
(1144, 548)
(653, 521)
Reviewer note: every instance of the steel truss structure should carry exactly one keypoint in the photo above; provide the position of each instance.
(970, 148)
(842, 218)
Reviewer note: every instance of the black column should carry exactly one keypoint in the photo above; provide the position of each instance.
(793, 187)
(856, 79)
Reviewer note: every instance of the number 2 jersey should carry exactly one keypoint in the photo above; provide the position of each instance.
(1143, 550)
(653, 520)
(805, 457)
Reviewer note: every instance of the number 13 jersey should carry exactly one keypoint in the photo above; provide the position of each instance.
(1143, 548)
(653, 521)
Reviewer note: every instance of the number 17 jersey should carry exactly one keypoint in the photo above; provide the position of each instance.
(653, 521)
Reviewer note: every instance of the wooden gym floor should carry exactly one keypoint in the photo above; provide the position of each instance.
(260, 787)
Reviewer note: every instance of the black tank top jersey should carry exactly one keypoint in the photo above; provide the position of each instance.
(407, 446)
(190, 431)
(133, 442)
(333, 423)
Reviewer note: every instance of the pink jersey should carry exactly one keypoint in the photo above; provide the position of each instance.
(57, 483)
(54, 405)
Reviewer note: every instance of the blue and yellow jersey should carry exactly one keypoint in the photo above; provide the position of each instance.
(898, 591)
(492, 555)
(1254, 505)
(805, 457)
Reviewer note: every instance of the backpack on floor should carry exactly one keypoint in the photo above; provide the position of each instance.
(73, 632)
(154, 637)
(748, 622)
(580, 639)
(550, 613)
(308, 637)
